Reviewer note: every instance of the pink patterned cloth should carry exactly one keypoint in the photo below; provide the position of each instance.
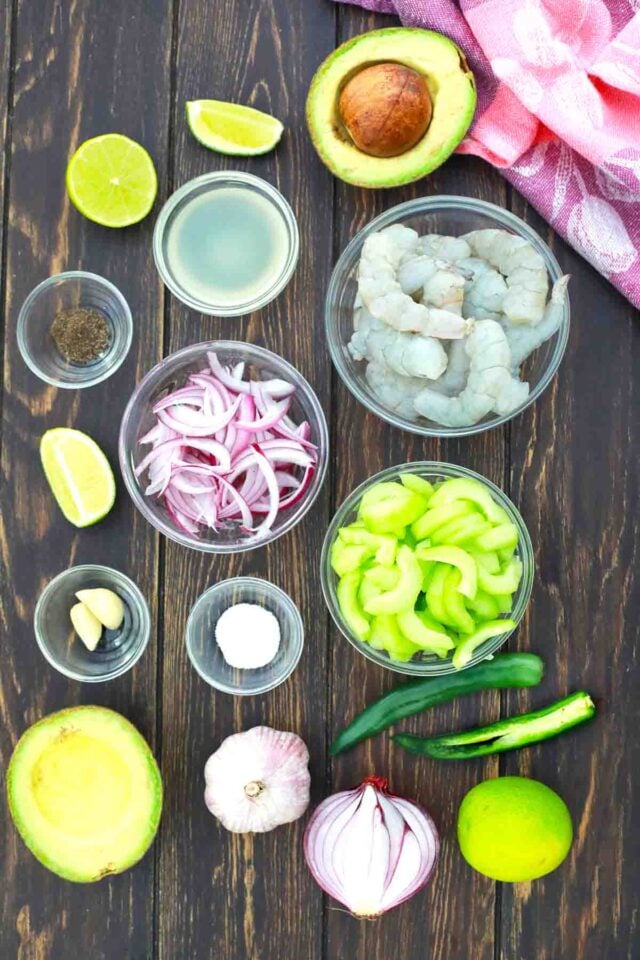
(558, 111)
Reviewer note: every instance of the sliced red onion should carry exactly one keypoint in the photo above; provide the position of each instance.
(224, 449)
(369, 849)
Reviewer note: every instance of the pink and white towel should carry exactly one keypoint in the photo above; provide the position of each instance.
(558, 111)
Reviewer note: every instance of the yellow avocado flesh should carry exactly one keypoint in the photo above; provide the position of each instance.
(85, 793)
(451, 88)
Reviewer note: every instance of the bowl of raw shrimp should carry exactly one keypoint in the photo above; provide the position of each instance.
(447, 316)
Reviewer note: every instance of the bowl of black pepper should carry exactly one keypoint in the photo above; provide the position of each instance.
(74, 329)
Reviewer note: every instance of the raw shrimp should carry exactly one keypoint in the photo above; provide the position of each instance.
(394, 392)
(454, 378)
(446, 248)
(489, 385)
(524, 340)
(439, 282)
(383, 296)
(408, 354)
(523, 269)
(484, 290)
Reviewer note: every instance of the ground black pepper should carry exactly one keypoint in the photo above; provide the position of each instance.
(80, 334)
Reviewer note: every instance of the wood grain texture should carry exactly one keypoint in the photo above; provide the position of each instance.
(78, 67)
(222, 895)
(571, 464)
(575, 472)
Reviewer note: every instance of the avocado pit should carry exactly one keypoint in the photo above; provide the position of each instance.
(385, 108)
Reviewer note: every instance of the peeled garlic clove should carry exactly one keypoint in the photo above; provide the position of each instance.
(105, 605)
(257, 780)
(88, 627)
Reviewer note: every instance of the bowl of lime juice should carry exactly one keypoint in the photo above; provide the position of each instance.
(226, 243)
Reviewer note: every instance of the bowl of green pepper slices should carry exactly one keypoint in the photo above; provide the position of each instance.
(427, 568)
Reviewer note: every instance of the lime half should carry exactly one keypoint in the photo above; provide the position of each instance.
(112, 180)
(514, 829)
(233, 128)
(79, 475)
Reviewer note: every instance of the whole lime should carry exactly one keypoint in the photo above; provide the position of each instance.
(514, 829)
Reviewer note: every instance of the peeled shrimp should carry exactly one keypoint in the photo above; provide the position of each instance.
(522, 267)
(484, 290)
(446, 248)
(524, 340)
(394, 392)
(382, 294)
(490, 384)
(407, 354)
(440, 284)
(454, 378)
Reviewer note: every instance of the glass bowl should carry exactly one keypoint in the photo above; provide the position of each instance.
(117, 651)
(205, 654)
(61, 292)
(444, 215)
(171, 217)
(426, 664)
(172, 373)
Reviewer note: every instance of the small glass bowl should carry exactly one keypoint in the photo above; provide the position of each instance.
(450, 216)
(61, 292)
(196, 188)
(205, 654)
(118, 650)
(171, 373)
(425, 665)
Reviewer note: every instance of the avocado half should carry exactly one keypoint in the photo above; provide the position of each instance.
(450, 84)
(85, 793)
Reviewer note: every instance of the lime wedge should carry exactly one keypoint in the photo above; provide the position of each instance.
(79, 475)
(232, 128)
(112, 180)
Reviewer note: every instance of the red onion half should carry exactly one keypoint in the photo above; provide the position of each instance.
(224, 449)
(369, 849)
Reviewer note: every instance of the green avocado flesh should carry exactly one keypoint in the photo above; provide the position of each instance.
(451, 86)
(85, 793)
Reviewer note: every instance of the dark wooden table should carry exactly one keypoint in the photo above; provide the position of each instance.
(70, 70)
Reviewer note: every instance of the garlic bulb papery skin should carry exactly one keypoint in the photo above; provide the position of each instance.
(370, 850)
(257, 780)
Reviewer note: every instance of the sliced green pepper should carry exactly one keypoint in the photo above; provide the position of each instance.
(455, 557)
(503, 671)
(437, 516)
(505, 582)
(506, 535)
(485, 606)
(382, 545)
(389, 507)
(463, 489)
(347, 593)
(509, 734)
(405, 593)
(489, 561)
(454, 604)
(504, 602)
(461, 530)
(418, 484)
(435, 594)
(347, 557)
(414, 628)
(386, 635)
(465, 651)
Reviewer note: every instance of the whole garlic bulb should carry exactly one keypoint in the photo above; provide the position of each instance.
(257, 780)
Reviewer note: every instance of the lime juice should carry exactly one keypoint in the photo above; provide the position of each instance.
(227, 245)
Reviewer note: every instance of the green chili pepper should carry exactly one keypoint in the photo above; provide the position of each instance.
(509, 734)
(503, 671)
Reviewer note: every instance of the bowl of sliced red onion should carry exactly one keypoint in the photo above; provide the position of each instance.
(223, 446)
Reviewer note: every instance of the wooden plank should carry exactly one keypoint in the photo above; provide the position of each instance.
(575, 469)
(81, 70)
(6, 38)
(454, 919)
(225, 896)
